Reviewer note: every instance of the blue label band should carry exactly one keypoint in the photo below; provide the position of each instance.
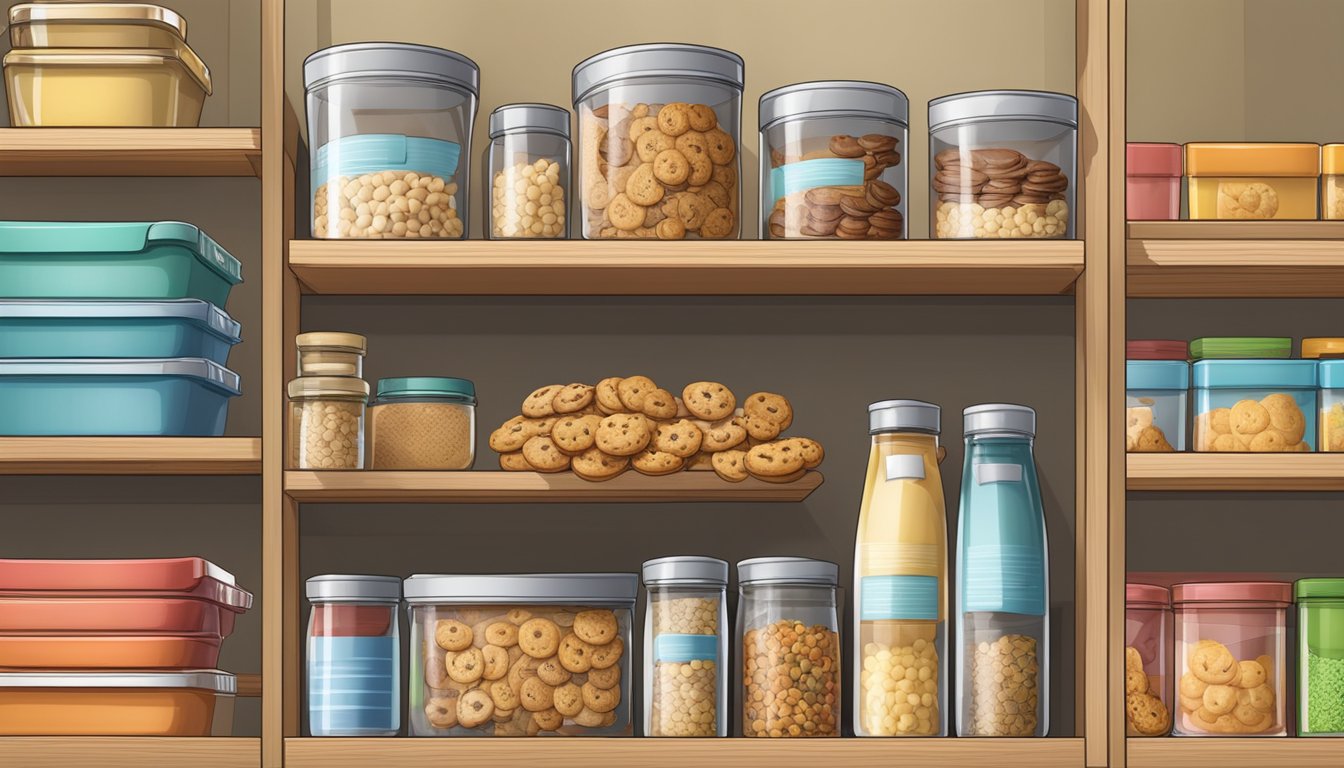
(810, 174)
(684, 648)
(886, 598)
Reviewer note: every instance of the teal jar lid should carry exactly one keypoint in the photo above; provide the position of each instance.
(1255, 374)
(1308, 589)
(1331, 374)
(1241, 347)
(1157, 374)
(432, 387)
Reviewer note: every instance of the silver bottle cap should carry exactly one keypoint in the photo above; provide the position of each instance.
(418, 62)
(350, 588)
(656, 60)
(787, 570)
(543, 118)
(686, 570)
(823, 98)
(1002, 418)
(903, 416)
(978, 106)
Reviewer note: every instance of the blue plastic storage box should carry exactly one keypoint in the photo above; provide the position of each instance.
(1157, 402)
(84, 260)
(74, 328)
(1255, 406)
(167, 397)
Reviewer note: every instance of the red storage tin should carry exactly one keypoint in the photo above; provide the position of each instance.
(1153, 181)
(1156, 349)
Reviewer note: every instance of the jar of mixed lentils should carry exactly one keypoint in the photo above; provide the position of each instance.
(423, 422)
(527, 171)
(686, 647)
(326, 422)
(789, 647)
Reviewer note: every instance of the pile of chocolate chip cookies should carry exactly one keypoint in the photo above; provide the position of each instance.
(868, 211)
(599, 432)
(657, 172)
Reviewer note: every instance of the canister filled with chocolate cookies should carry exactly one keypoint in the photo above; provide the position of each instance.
(833, 161)
(1001, 165)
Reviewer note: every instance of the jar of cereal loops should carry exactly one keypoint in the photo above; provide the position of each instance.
(788, 647)
(326, 422)
(658, 142)
(527, 171)
(686, 647)
(386, 123)
(1001, 165)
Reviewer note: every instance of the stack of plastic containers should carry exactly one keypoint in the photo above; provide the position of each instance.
(116, 647)
(114, 329)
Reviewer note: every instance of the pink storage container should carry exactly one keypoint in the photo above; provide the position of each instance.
(1148, 662)
(1231, 645)
(1153, 182)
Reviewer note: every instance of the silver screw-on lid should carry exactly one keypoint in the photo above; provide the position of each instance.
(414, 62)
(543, 118)
(657, 60)
(980, 106)
(686, 570)
(550, 588)
(834, 98)
(787, 570)
(351, 588)
(904, 416)
(999, 417)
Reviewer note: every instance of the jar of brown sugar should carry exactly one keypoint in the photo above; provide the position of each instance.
(423, 422)
(326, 422)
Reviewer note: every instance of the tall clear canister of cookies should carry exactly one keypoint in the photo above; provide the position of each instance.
(1003, 579)
(686, 647)
(387, 123)
(659, 138)
(1001, 165)
(788, 647)
(836, 165)
(1148, 660)
(527, 172)
(900, 577)
(1232, 647)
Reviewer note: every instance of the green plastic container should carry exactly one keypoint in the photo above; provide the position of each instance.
(1320, 657)
(1241, 348)
(96, 260)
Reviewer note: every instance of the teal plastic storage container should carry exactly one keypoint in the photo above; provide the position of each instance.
(175, 397)
(1255, 406)
(1331, 378)
(1157, 398)
(73, 328)
(83, 260)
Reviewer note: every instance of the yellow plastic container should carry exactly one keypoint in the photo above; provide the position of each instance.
(1332, 181)
(95, 25)
(112, 87)
(1253, 181)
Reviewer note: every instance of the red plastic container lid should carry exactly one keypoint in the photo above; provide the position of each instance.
(1268, 592)
(164, 577)
(93, 615)
(1143, 159)
(1156, 349)
(1148, 594)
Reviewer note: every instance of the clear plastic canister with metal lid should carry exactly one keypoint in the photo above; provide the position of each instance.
(387, 123)
(833, 161)
(686, 647)
(354, 655)
(527, 172)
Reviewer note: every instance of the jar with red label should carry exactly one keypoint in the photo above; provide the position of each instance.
(354, 656)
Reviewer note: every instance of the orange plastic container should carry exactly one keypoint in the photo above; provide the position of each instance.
(195, 703)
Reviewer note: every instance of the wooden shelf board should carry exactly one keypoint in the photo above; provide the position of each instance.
(704, 753)
(522, 487)
(1235, 472)
(1235, 753)
(1235, 259)
(1235, 230)
(129, 752)
(130, 152)
(130, 456)
(578, 267)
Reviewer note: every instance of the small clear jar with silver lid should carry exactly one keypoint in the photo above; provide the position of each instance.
(836, 165)
(527, 172)
(329, 353)
(686, 647)
(788, 647)
(1001, 165)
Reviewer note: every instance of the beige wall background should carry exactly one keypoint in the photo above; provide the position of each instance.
(905, 43)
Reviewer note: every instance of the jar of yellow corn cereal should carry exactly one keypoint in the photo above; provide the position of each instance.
(326, 422)
(686, 647)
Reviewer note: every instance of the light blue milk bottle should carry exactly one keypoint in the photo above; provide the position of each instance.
(1003, 597)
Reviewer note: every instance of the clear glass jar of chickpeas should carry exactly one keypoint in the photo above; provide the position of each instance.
(789, 647)
(326, 422)
(686, 647)
(527, 172)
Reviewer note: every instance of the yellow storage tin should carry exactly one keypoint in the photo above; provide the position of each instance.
(106, 87)
(1332, 181)
(95, 25)
(1253, 181)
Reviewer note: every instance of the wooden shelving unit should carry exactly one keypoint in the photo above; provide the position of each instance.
(130, 456)
(129, 752)
(739, 267)
(516, 487)
(130, 152)
(1235, 472)
(709, 753)
(1235, 259)
(1235, 753)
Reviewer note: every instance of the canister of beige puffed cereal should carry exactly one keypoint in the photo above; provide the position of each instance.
(387, 123)
(686, 647)
(326, 422)
(527, 172)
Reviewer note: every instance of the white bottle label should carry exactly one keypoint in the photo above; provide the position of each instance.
(997, 473)
(905, 466)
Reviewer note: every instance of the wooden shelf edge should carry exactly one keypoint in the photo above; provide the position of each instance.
(489, 487)
(200, 152)
(1234, 230)
(1234, 268)
(705, 753)
(129, 752)
(130, 456)
(1235, 753)
(1235, 472)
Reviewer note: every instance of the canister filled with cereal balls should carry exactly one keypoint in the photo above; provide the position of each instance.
(326, 422)
(686, 647)
(788, 647)
(659, 151)
(900, 577)
(387, 123)
(1003, 585)
(527, 172)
